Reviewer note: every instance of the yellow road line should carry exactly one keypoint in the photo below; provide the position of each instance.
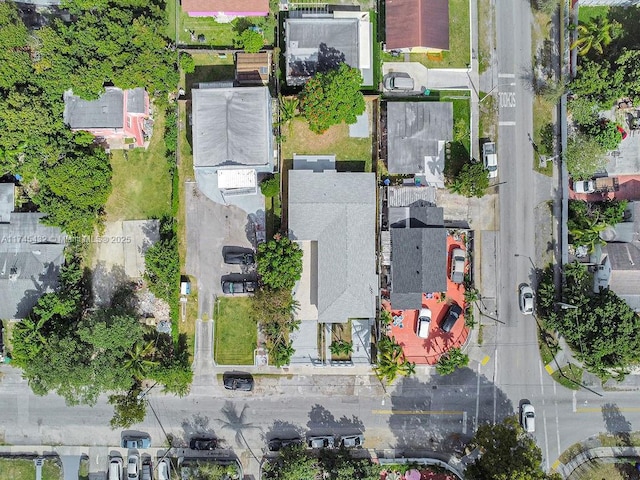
(555, 465)
(599, 410)
(549, 369)
(417, 412)
(485, 360)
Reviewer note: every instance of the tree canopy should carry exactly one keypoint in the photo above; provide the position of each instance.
(332, 97)
(471, 181)
(601, 329)
(279, 263)
(584, 156)
(507, 454)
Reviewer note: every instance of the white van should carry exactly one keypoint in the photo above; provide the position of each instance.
(115, 468)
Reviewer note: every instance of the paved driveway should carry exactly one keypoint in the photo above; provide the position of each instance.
(431, 78)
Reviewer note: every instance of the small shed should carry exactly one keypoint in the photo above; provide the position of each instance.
(253, 68)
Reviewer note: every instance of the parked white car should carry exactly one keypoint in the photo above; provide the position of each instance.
(528, 417)
(584, 186)
(422, 325)
(526, 299)
(490, 158)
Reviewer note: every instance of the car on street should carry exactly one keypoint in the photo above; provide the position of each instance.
(451, 317)
(147, 469)
(136, 441)
(238, 257)
(277, 444)
(164, 469)
(115, 468)
(528, 417)
(238, 381)
(352, 441)
(422, 325)
(239, 286)
(490, 158)
(321, 441)
(526, 299)
(133, 467)
(398, 81)
(458, 258)
(584, 186)
(203, 443)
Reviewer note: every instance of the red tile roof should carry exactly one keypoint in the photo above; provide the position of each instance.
(248, 6)
(417, 23)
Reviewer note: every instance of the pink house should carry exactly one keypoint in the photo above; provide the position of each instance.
(226, 8)
(116, 116)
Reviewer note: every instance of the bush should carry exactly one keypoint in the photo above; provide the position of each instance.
(279, 263)
(187, 64)
(270, 187)
(251, 41)
(451, 361)
(472, 181)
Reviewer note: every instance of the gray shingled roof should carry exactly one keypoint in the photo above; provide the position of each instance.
(413, 132)
(418, 254)
(30, 258)
(317, 43)
(338, 211)
(105, 112)
(135, 100)
(232, 127)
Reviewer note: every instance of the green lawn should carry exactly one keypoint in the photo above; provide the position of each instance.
(236, 331)
(598, 470)
(141, 180)
(20, 469)
(216, 34)
(210, 67)
(587, 13)
(569, 376)
(460, 147)
(352, 154)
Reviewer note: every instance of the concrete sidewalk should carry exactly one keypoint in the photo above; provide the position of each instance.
(594, 453)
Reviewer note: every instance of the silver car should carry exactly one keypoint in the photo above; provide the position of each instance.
(133, 467)
(352, 441)
(528, 417)
(458, 258)
(526, 299)
(321, 441)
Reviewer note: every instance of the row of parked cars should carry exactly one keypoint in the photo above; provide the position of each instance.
(318, 441)
(245, 258)
(138, 469)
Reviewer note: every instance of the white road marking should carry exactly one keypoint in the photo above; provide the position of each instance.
(507, 124)
(507, 99)
(464, 422)
(506, 75)
(575, 402)
(544, 418)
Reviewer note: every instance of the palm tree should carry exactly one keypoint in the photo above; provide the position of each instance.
(596, 33)
(139, 361)
(391, 361)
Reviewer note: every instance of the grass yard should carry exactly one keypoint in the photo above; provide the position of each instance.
(542, 115)
(273, 209)
(458, 55)
(210, 67)
(341, 332)
(599, 470)
(486, 34)
(352, 154)
(236, 331)
(487, 124)
(569, 376)
(21, 469)
(141, 181)
(460, 147)
(587, 13)
(548, 346)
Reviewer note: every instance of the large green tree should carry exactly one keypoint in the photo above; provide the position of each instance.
(279, 263)
(293, 463)
(74, 189)
(391, 361)
(584, 156)
(332, 97)
(595, 34)
(507, 454)
(471, 181)
(15, 51)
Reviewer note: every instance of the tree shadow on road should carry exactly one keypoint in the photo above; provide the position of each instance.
(284, 429)
(616, 424)
(322, 422)
(196, 425)
(441, 416)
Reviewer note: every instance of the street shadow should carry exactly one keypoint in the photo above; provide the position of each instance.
(616, 424)
(441, 416)
(322, 422)
(236, 420)
(284, 429)
(196, 425)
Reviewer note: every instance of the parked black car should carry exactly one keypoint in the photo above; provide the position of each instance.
(276, 444)
(239, 257)
(240, 286)
(203, 443)
(238, 381)
(451, 317)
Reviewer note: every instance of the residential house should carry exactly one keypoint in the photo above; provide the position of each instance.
(418, 254)
(120, 117)
(225, 10)
(417, 134)
(253, 68)
(30, 257)
(417, 25)
(332, 215)
(232, 141)
(317, 43)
